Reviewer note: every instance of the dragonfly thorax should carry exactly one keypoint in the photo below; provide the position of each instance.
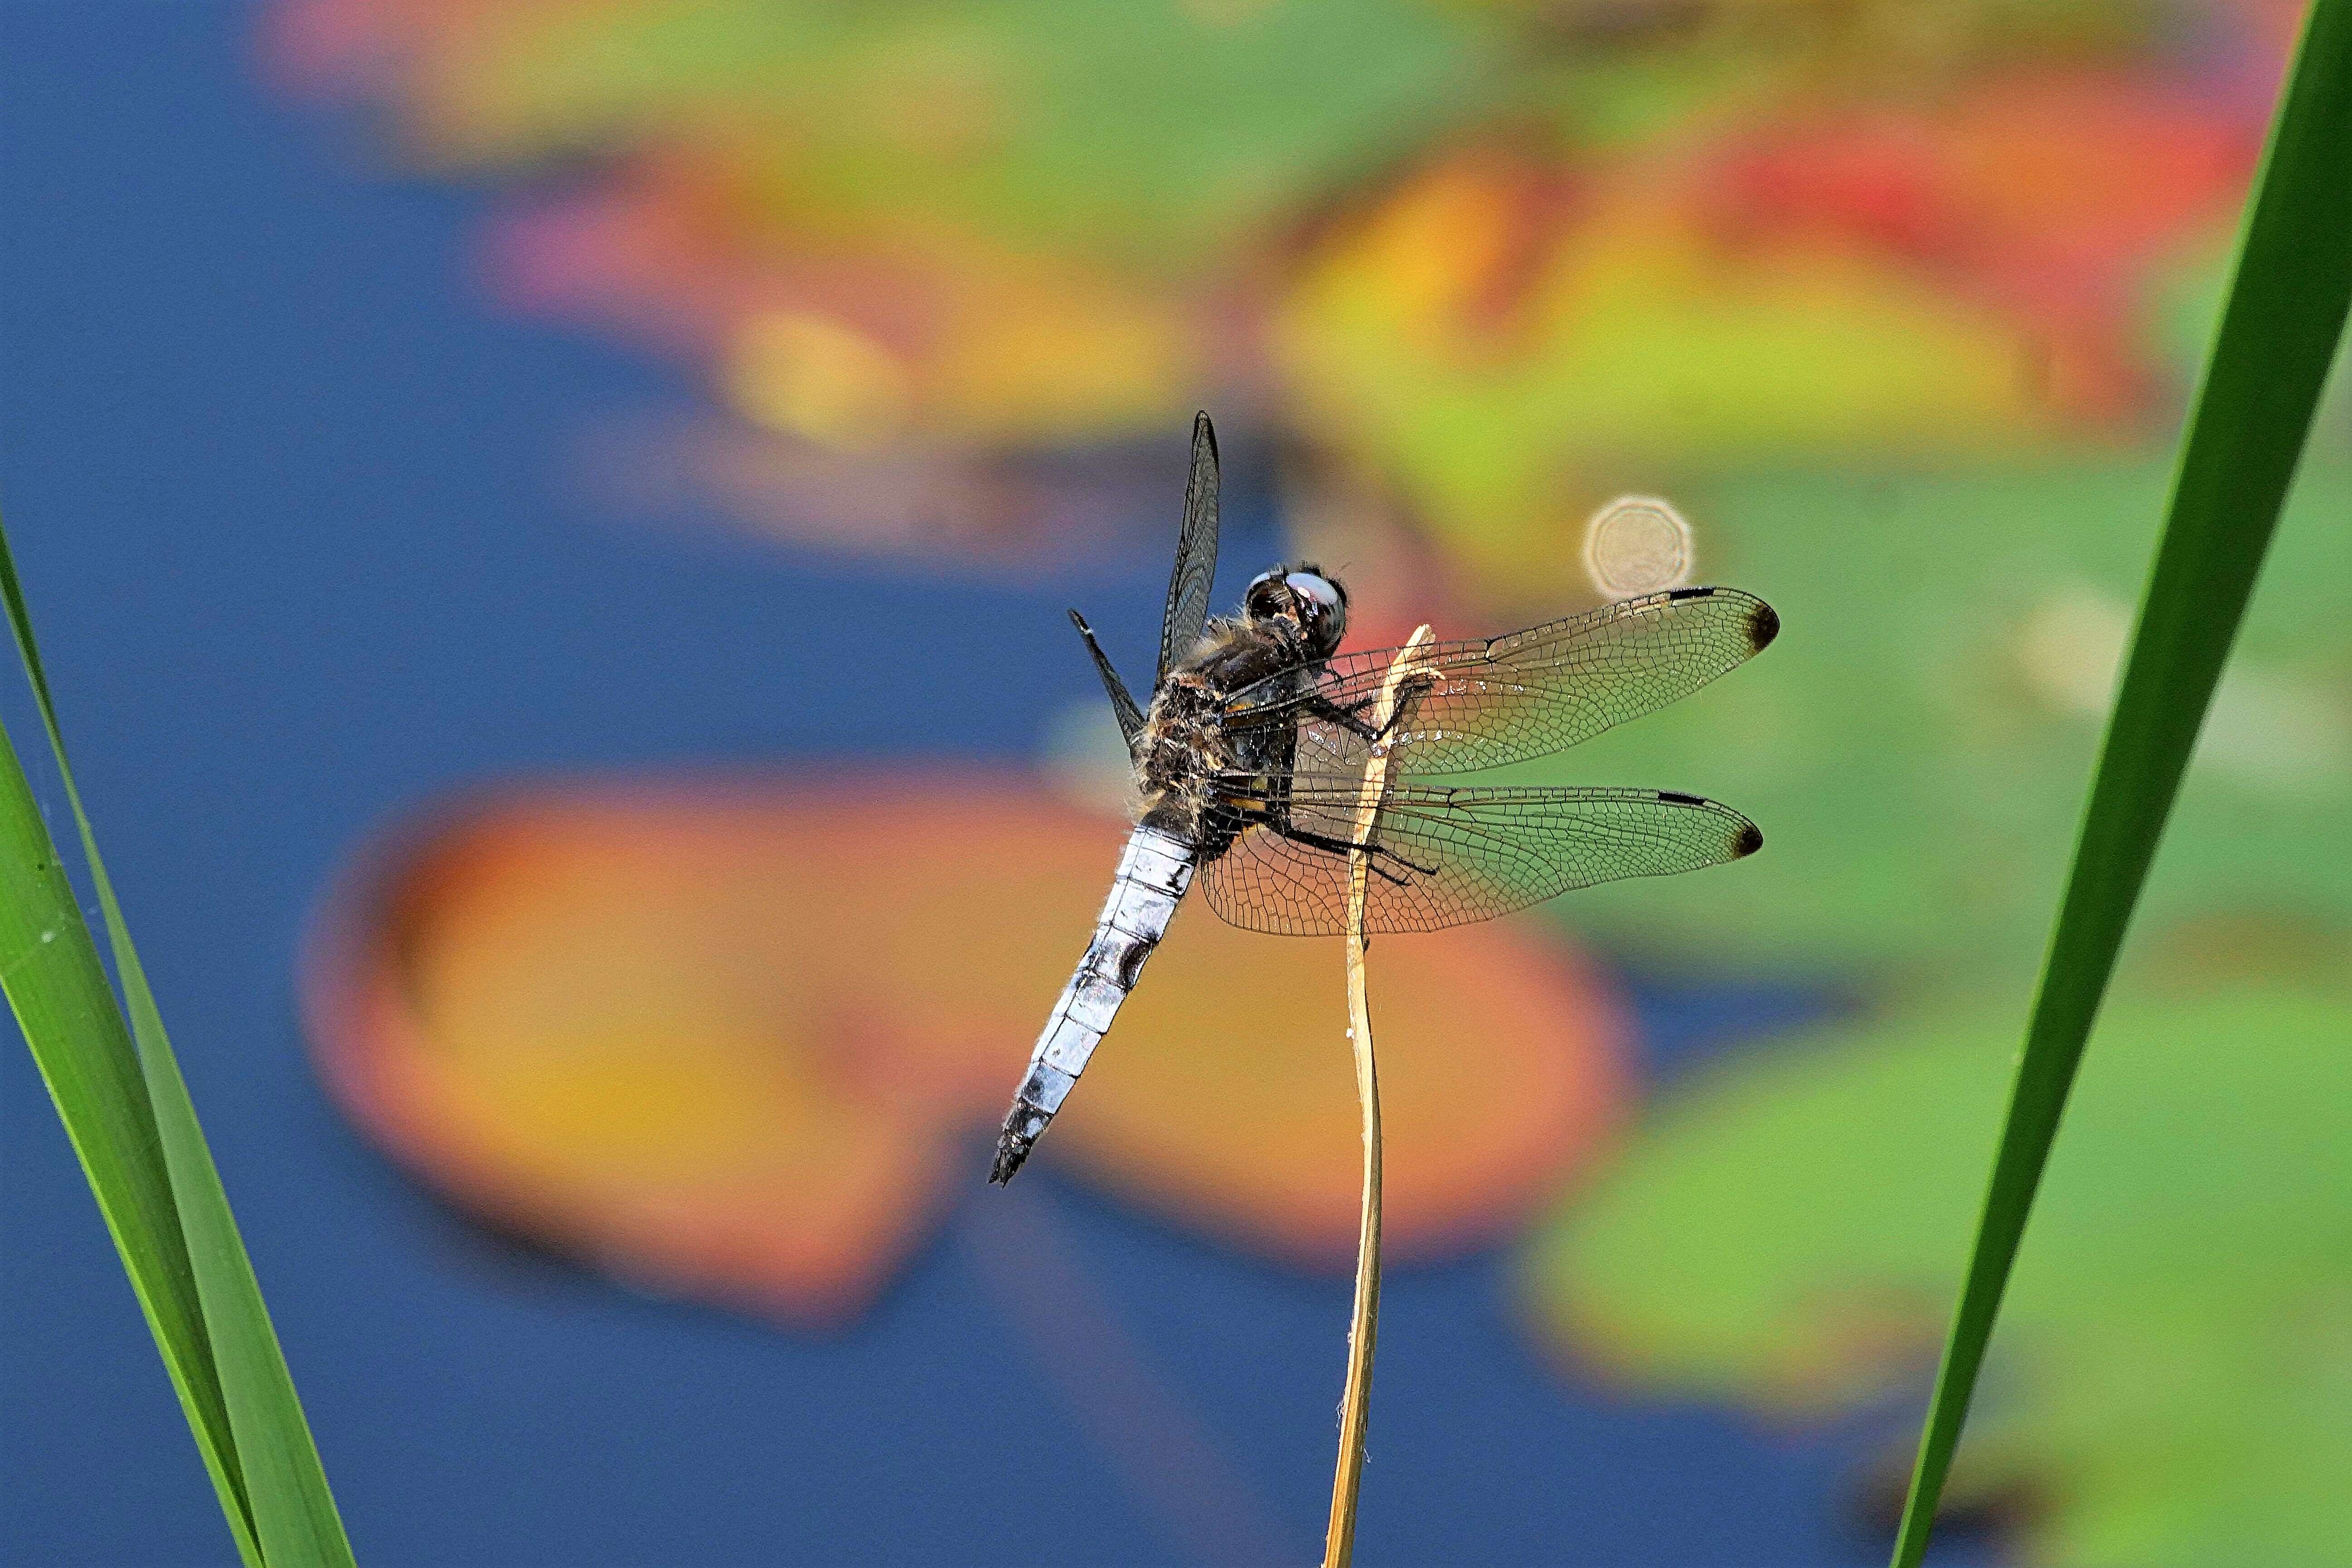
(1182, 746)
(1185, 745)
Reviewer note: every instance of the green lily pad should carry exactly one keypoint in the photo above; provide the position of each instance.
(1917, 744)
(1037, 123)
(2171, 1382)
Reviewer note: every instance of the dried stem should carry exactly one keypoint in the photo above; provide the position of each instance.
(1355, 1405)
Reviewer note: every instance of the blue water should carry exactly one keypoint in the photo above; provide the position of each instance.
(290, 503)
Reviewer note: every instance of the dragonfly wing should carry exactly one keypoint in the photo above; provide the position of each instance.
(1450, 856)
(1196, 552)
(1482, 703)
(1123, 705)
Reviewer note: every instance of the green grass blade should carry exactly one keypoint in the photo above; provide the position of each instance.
(58, 989)
(2246, 430)
(270, 1467)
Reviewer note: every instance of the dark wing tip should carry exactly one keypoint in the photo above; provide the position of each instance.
(1763, 625)
(1204, 432)
(1751, 838)
(1080, 621)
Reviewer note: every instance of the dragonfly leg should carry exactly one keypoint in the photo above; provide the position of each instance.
(1350, 718)
(1273, 812)
(1281, 825)
(1410, 690)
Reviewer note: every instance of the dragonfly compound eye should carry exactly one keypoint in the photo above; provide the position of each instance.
(1321, 590)
(1265, 597)
(1322, 605)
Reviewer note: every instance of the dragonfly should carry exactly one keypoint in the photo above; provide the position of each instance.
(1251, 754)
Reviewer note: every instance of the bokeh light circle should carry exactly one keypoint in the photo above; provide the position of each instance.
(1637, 544)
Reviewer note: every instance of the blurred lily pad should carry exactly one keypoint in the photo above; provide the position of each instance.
(746, 1041)
(1507, 335)
(2171, 1383)
(1917, 744)
(1030, 124)
(1484, 264)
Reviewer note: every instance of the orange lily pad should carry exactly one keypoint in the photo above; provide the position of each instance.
(744, 1041)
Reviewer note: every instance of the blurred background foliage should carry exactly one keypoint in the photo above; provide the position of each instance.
(1899, 301)
(1919, 752)
(2173, 1353)
(1483, 265)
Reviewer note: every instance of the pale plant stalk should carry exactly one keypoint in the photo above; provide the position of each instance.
(1355, 1405)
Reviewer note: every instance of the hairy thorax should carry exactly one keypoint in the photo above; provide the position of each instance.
(1182, 746)
(1185, 745)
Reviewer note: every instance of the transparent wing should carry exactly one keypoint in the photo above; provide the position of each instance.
(1481, 704)
(1123, 706)
(1196, 552)
(1450, 856)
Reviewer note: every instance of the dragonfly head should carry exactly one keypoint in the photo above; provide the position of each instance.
(1315, 606)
